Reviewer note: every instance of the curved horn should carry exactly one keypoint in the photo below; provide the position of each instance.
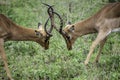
(61, 23)
(45, 27)
(50, 13)
(67, 38)
(50, 9)
(47, 5)
(51, 16)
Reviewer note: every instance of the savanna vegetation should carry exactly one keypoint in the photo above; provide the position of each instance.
(28, 60)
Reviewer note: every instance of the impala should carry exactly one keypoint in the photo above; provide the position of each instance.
(11, 31)
(104, 22)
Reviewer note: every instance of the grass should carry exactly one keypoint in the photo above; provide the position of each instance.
(28, 60)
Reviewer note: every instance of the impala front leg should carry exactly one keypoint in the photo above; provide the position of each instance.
(3, 56)
(100, 50)
(101, 36)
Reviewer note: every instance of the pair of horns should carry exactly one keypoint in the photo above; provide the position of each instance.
(51, 14)
(49, 11)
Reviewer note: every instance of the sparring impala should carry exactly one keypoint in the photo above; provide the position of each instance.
(104, 22)
(11, 31)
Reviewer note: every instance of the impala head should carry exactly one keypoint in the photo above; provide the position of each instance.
(68, 31)
(43, 36)
(43, 33)
(68, 34)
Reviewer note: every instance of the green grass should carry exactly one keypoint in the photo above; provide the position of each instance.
(28, 60)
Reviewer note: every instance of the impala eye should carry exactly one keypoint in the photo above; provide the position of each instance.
(72, 28)
(68, 37)
(38, 33)
(47, 42)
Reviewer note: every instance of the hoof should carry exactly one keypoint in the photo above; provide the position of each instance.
(85, 63)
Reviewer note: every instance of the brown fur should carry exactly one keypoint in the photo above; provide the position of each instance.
(103, 22)
(11, 31)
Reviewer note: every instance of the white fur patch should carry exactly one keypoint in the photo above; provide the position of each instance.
(116, 30)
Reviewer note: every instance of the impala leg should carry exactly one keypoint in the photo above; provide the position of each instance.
(100, 49)
(3, 56)
(101, 36)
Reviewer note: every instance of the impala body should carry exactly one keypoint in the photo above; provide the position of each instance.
(11, 31)
(104, 22)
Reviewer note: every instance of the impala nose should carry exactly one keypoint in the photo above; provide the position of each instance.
(69, 45)
(46, 47)
(70, 48)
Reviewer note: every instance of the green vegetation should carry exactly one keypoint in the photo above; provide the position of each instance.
(28, 60)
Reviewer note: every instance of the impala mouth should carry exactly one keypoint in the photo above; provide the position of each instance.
(47, 42)
(46, 46)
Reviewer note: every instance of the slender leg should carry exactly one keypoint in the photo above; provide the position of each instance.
(101, 36)
(3, 56)
(100, 49)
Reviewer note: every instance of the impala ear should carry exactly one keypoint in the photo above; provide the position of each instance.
(40, 26)
(68, 23)
(71, 29)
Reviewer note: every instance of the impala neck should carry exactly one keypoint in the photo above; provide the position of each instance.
(85, 27)
(22, 34)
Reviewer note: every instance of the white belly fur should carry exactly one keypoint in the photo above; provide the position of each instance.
(116, 30)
